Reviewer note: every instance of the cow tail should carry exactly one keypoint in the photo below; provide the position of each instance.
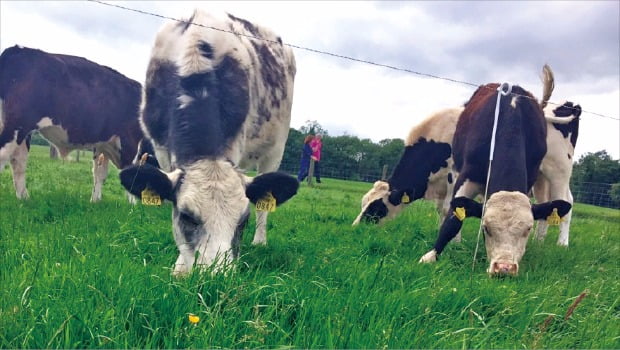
(548, 85)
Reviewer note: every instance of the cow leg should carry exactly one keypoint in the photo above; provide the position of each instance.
(541, 193)
(565, 223)
(6, 152)
(445, 212)
(452, 224)
(19, 159)
(260, 235)
(100, 173)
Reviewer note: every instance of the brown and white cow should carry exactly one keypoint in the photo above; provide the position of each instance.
(215, 102)
(557, 166)
(74, 103)
(519, 150)
(423, 171)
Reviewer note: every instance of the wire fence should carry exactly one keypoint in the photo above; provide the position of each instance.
(327, 53)
(593, 193)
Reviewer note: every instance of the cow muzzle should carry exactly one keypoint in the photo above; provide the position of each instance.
(502, 268)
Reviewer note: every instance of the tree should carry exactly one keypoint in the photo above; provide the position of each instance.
(312, 127)
(592, 177)
(596, 167)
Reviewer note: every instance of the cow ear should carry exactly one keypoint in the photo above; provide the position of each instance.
(137, 178)
(471, 207)
(282, 186)
(577, 110)
(543, 210)
(381, 186)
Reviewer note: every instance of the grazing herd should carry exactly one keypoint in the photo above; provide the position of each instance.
(214, 103)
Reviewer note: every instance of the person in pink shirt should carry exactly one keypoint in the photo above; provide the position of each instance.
(316, 144)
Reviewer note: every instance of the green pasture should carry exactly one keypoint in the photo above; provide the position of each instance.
(80, 275)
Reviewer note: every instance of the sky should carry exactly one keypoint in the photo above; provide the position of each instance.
(477, 42)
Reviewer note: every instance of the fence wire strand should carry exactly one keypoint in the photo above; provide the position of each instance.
(331, 54)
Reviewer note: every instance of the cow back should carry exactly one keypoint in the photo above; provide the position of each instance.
(520, 139)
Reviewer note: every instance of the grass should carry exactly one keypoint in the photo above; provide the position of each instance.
(82, 275)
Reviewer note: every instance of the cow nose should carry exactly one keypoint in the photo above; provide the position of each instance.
(500, 268)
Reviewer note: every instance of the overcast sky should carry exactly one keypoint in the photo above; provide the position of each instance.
(476, 42)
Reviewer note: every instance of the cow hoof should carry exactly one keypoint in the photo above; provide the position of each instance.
(429, 257)
(259, 242)
(563, 243)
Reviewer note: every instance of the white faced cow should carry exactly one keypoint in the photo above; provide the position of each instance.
(74, 103)
(214, 102)
(519, 150)
(557, 166)
(423, 171)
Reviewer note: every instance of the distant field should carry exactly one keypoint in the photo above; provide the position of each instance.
(81, 275)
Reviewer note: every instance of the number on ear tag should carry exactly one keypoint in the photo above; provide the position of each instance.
(554, 218)
(150, 198)
(267, 203)
(460, 213)
(405, 198)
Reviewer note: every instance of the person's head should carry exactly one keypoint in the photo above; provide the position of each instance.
(308, 138)
(318, 136)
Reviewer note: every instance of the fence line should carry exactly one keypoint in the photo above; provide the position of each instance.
(583, 192)
(327, 53)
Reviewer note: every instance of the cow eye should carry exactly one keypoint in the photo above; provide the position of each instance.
(189, 219)
(486, 232)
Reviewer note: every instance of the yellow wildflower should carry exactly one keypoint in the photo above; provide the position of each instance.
(193, 319)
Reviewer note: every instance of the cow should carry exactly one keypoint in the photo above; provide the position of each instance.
(213, 104)
(423, 171)
(557, 166)
(520, 145)
(73, 103)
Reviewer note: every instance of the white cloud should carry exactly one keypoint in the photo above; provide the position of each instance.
(369, 101)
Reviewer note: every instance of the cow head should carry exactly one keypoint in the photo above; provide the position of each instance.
(507, 222)
(210, 205)
(381, 204)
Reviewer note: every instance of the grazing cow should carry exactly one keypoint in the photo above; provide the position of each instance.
(424, 171)
(74, 103)
(520, 146)
(557, 166)
(214, 102)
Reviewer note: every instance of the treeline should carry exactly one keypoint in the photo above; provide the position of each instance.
(596, 180)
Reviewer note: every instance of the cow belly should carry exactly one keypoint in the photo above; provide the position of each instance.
(59, 137)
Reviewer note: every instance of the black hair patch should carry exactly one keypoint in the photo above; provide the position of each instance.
(206, 49)
(137, 178)
(375, 211)
(281, 185)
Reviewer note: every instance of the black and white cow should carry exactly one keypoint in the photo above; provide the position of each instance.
(423, 171)
(74, 103)
(213, 103)
(557, 166)
(519, 150)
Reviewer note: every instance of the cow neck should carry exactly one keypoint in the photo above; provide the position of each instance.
(417, 164)
(509, 166)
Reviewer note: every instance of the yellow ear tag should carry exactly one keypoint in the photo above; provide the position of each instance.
(150, 198)
(554, 218)
(267, 203)
(405, 198)
(460, 213)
